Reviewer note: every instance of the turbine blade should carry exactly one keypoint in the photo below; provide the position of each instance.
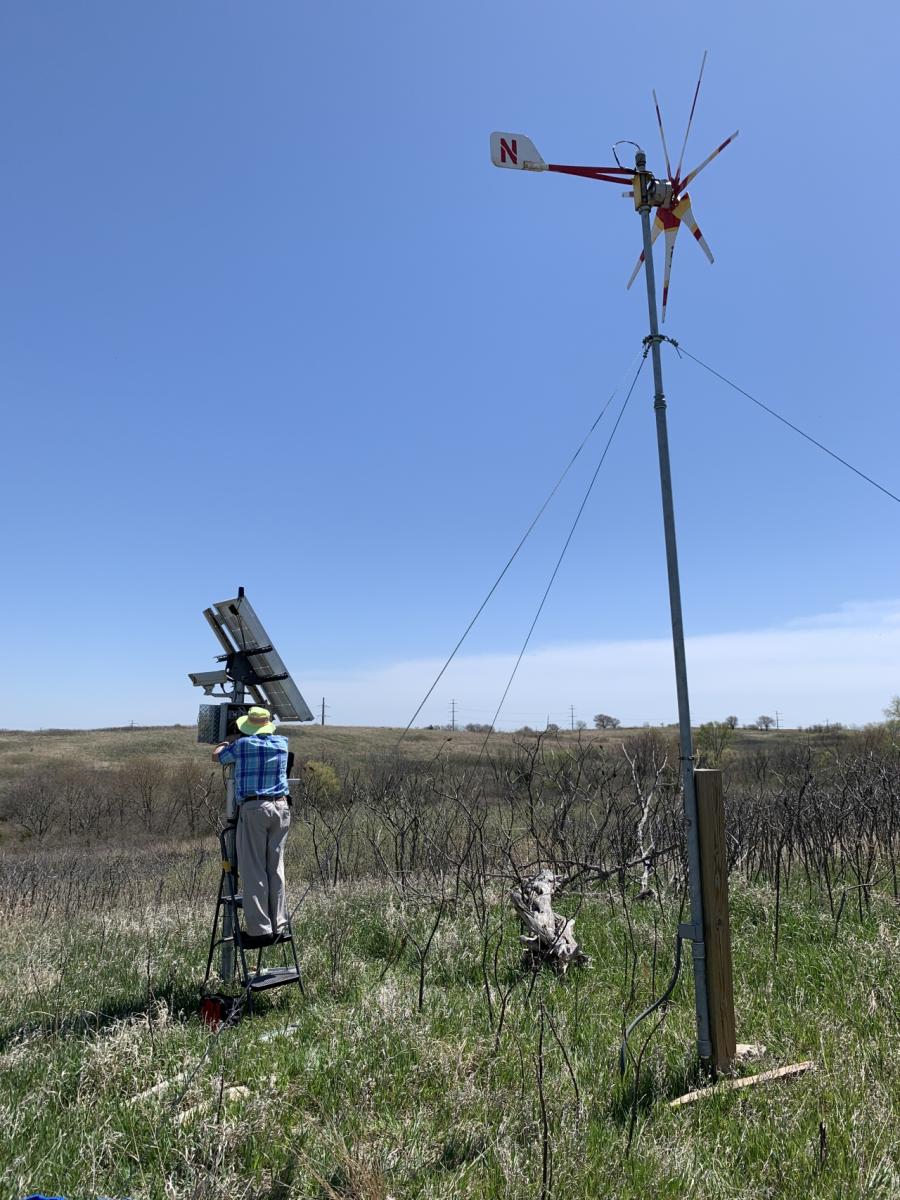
(658, 227)
(691, 117)
(684, 213)
(671, 235)
(718, 150)
(663, 136)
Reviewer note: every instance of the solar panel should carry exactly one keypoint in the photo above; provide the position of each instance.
(270, 683)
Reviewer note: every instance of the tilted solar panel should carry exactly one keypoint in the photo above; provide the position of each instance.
(282, 696)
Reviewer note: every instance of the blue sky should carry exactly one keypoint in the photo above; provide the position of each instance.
(270, 318)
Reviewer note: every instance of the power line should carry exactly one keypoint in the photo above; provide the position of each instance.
(771, 411)
(525, 536)
(480, 708)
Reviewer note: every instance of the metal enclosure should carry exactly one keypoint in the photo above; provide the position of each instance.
(216, 722)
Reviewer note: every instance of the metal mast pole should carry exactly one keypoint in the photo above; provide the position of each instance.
(695, 931)
(226, 961)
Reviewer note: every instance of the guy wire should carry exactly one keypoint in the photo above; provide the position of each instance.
(771, 411)
(524, 538)
(562, 555)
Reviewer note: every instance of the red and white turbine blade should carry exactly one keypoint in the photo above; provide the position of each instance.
(683, 212)
(672, 225)
(634, 273)
(718, 150)
(691, 117)
(663, 136)
(658, 227)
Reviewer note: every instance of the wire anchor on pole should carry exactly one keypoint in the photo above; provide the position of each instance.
(656, 339)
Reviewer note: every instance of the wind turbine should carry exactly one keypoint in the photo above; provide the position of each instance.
(673, 208)
(669, 196)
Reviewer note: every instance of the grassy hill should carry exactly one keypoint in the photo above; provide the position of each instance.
(349, 745)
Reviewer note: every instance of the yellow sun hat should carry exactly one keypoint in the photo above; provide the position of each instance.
(257, 720)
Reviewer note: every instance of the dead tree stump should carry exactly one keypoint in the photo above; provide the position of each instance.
(548, 937)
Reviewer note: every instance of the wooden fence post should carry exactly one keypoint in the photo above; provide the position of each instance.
(716, 927)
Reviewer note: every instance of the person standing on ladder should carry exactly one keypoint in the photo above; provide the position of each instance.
(260, 758)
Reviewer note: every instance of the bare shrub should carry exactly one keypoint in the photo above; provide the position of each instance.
(31, 804)
(191, 789)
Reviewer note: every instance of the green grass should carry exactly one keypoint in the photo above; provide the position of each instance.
(361, 1095)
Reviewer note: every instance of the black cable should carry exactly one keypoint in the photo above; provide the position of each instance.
(522, 542)
(562, 555)
(785, 421)
(652, 1007)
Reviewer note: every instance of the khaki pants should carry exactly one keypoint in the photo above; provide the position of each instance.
(261, 834)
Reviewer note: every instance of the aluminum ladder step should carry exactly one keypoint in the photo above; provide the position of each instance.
(272, 977)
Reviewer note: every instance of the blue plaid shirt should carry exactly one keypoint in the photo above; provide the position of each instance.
(260, 765)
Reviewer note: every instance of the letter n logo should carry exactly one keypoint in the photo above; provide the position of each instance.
(509, 150)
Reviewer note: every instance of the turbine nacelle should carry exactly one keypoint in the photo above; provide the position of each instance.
(659, 193)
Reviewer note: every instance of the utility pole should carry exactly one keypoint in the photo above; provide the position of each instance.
(453, 715)
(644, 184)
(777, 719)
(572, 716)
(323, 710)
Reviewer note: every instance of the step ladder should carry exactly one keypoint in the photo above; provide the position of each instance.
(231, 902)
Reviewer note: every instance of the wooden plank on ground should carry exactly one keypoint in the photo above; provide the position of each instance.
(733, 1085)
(229, 1095)
(158, 1088)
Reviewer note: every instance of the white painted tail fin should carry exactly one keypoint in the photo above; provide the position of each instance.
(516, 151)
